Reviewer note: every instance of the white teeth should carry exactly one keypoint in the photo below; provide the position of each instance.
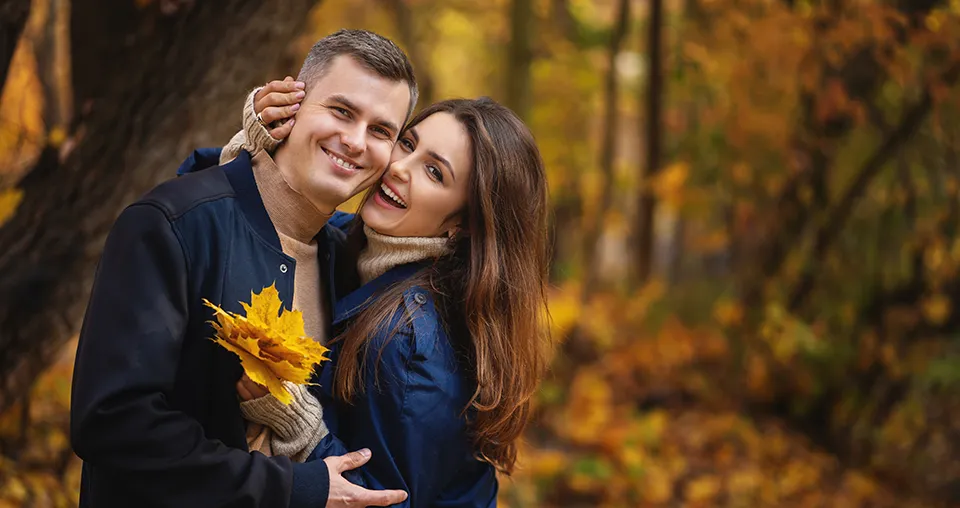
(340, 162)
(386, 190)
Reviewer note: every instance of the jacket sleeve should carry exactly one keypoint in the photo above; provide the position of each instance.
(127, 359)
(410, 418)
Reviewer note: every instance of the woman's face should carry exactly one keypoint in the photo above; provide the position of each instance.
(425, 186)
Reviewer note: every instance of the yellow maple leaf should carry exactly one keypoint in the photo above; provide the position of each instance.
(271, 344)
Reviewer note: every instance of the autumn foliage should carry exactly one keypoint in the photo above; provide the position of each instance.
(271, 343)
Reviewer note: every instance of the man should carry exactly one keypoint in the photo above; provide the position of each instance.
(154, 413)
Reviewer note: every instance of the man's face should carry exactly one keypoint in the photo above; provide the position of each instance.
(344, 133)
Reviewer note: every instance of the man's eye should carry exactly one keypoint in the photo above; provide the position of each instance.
(381, 131)
(341, 111)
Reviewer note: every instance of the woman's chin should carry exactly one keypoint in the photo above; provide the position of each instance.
(374, 221)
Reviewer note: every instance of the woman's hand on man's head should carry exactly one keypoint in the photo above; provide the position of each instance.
(277, 103)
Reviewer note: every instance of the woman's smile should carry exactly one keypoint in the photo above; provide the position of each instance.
(389, 198)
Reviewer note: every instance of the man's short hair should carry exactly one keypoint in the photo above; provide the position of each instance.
(374, 52)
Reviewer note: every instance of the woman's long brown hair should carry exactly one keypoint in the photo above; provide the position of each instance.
(491, 290)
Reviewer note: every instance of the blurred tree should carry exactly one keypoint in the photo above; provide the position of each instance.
(520, 57)
(148, 80)
(405, 20)
(50, 48)
(653, 144)
(607, 148)
(13, 18)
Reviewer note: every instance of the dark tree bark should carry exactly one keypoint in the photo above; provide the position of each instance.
(149, 84)
(654, 130)
(13, 18)
(520, 57)
(608, 147)
(47, 47)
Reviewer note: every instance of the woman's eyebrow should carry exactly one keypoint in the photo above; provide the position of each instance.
(443, 161)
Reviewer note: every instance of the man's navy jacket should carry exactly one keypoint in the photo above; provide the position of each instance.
(155, 415)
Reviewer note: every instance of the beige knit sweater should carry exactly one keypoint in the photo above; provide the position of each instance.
(294, 430)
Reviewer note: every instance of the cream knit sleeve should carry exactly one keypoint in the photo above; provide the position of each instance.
(297, 427)
(253, 138)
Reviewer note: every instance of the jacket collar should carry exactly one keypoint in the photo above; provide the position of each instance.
(359, 299)
(239, 172)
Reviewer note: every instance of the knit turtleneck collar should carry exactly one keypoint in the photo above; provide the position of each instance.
(385, 252)
(291, 213)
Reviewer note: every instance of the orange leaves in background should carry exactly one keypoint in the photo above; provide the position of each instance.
(9, 201)
(272, 346)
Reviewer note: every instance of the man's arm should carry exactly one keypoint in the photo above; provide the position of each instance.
(127, 359)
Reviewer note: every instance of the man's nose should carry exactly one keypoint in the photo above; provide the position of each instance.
(354, 139)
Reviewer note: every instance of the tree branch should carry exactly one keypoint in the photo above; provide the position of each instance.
(830, 228)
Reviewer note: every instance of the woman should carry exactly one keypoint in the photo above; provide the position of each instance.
(437, 354)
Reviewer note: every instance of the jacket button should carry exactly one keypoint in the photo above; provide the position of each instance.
(283, 268)
(419, 298)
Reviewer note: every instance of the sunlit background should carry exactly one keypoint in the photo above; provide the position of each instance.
(755, 284)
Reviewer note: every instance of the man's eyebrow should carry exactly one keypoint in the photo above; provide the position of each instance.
(443, 161)
(386, 124)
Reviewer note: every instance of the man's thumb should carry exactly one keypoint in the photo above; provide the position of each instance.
(354, 460)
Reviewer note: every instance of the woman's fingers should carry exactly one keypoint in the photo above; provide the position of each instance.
(284, 130)
(286, 86)
(280, 99)
(272, 113)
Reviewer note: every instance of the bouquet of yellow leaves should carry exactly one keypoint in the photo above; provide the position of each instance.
(272, 347)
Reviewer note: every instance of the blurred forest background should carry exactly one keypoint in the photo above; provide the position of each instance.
(756, 204)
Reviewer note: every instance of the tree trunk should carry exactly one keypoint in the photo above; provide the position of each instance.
(520, 57)
(49, 47)
(150, 84)
(654, 128)
(608, 148)
(404, 18)
(13, 18)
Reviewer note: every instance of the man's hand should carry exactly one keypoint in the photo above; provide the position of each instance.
(344, 494)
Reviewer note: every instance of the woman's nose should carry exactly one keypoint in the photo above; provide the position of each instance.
(399, 170)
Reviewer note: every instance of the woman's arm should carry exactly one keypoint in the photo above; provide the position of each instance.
(297, 427)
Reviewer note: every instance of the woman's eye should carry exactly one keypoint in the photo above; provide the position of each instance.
(406, 144)
(435, 173)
